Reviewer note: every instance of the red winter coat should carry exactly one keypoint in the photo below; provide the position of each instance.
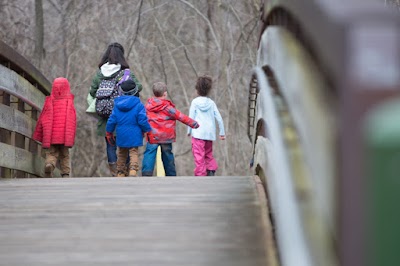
(162, 117)
(57, 121)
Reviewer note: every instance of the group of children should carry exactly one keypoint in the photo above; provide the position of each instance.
(132, 121)
(156, 121)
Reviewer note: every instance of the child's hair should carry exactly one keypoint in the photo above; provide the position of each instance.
(159, 88)
(114, 55)
(203, 85)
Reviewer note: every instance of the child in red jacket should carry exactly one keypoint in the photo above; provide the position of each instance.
(56, 127)
(162, 117)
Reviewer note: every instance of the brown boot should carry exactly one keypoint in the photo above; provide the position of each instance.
(121, 174)
(132, 173)
(121, 161)
(133, 164)
(113, 168)
(48, 170)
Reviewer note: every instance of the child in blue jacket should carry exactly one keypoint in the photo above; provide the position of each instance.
(130, 121)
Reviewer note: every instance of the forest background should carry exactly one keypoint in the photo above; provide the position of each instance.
(173, 41)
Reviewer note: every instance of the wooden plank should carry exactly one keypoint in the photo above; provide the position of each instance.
(131, 221)
(23, 160)
(20, 159)
(14, 120)
(16, 85)
(21, 65)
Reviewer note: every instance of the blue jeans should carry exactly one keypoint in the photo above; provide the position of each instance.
(112, 153)
(167, 157)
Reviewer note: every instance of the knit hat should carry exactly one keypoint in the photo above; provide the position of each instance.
(129, 87)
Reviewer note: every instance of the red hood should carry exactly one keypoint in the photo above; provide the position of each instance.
(60, 89)
(157, 104)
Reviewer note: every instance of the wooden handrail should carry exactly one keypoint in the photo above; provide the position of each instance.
(13, 60)
(322, 26)
(22, 99)
(353, 50)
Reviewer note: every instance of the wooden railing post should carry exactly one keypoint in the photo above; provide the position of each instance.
(22, 93)
(349, 59)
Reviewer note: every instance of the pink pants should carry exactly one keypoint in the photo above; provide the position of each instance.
(203, 157)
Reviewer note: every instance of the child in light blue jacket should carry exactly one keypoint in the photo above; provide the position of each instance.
(205, 112)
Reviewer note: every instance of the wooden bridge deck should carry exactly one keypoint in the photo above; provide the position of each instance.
(133, 221)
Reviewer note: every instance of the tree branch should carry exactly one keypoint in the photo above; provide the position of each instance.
(173, 60)
(137, 28)
(163, 67)
(206, 20)
(190, 62)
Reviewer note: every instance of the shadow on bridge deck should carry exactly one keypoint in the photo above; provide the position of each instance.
(134, 221)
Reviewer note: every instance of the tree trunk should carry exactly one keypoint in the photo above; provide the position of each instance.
(39, 31)
(209, 38)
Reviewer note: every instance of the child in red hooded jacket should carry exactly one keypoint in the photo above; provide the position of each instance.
(56, 127)
(162, 116)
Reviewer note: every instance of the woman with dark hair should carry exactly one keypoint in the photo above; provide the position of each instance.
(112, 63)
(114, 55)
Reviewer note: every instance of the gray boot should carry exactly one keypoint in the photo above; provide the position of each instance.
(113, 169)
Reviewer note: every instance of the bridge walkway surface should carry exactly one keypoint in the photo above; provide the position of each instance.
(134, 221)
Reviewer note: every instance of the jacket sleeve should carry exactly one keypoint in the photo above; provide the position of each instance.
(218, 117)
(111, 122)
(143, 120)
(70, 128)
(46, 122)
(192, 115)
(138, 84)
(38, 132)
(183, 118)
(95, 84)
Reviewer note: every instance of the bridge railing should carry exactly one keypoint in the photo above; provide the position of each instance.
(22, 92)
(327, 64)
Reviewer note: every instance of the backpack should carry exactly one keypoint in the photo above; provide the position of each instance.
(106, 93)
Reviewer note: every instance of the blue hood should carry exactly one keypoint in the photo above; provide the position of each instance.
(125, 103)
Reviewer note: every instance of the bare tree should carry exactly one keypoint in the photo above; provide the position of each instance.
(39, 31)
(170, 41)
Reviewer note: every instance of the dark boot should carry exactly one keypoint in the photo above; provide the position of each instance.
(147, 174)
(113, 168)
(210, 172)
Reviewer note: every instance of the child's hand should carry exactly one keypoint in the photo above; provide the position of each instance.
(222, 137)
(188, 134)
(196, 125)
